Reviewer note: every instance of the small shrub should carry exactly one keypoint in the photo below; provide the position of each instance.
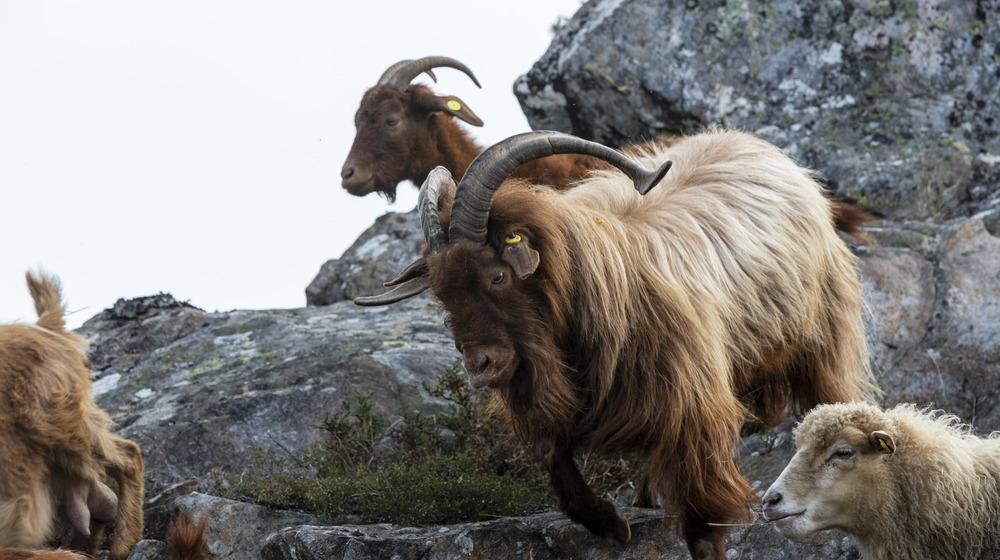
(460, 465)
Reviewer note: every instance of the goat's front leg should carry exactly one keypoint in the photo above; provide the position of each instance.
(599, 515)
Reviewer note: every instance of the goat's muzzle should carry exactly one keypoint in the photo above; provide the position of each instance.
(355, 181)
(488, 366)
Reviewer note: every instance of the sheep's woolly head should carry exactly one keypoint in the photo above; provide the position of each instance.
(844, 450)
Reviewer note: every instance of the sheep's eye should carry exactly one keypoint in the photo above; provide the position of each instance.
(499, 277)
(392, 121)
(843, 454)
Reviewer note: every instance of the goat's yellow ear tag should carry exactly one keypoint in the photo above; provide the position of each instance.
(512, 238)
(454, 105)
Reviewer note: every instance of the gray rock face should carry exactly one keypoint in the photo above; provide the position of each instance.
(896, 104)
(378, 255)
(934, 292)
(198, 391)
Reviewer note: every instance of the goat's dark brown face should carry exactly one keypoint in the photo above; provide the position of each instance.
(396, 138)
(378, 156)
(490, 309)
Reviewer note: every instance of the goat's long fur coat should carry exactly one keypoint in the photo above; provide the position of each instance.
(672, 318)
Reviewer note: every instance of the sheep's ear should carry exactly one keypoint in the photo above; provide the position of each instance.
(519, 255)
(882, 442)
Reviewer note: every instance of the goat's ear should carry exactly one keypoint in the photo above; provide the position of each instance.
(517, 253)
(882, 442)
(412, 281)
(457, 108)
(448, 104)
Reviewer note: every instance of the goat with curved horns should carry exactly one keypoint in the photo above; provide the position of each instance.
(662, 323)
(404, 130)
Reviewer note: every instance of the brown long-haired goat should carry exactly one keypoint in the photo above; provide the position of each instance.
(404, 130)
(55, 445)
(607, 320)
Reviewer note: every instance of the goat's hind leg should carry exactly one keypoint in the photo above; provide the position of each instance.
(599, 515)
(124, 465)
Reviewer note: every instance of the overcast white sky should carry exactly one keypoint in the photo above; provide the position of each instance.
(195, 147)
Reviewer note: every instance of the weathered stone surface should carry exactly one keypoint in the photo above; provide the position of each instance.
(541, 537)
(934, 291)
(897, 104)
(379, 254)
(149, 549)
(242, 379)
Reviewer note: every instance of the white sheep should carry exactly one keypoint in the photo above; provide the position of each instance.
(905, 483)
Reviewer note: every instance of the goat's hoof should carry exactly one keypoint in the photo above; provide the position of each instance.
(606, 521)
(622, 532)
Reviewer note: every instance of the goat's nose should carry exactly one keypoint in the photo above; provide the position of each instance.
(347, 172)
(476, 362)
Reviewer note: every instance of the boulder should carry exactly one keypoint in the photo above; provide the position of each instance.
(896, 104)
(378, 255)
(200, 391)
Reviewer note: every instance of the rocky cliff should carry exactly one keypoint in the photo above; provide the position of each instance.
(894, 103)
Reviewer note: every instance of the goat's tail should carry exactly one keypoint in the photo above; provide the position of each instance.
(47, 294)
(848, 218)
(186, 539)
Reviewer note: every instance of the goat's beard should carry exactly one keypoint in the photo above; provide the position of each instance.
(540, 397)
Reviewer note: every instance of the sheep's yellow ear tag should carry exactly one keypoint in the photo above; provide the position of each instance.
(883, 442)
(454, 105)
(520, 256)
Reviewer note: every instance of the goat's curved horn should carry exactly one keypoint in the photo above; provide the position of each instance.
(400, 292)
(427, 205)
(400, 75)
(384, 78)
(474, 194)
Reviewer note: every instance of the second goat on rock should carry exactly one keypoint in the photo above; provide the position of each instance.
(404, 130)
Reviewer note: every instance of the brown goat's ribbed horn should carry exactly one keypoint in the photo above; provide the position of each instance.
(401, 291)
(427, 205)
(384, 79)
(474, 195)
(400, 75)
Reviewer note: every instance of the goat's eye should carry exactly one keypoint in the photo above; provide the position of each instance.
(499, 277)
(392, 121)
